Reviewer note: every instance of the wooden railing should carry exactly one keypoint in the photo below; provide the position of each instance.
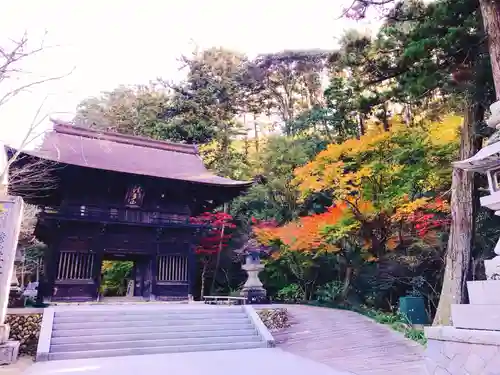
(114, 214)
(75, 266)
(172, 269)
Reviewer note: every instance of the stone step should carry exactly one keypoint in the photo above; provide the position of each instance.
(115, 310)
(90, 346)
(477, 317)
(484, 292)
(89, 337)
(151, 316)
(172, 328)
(148, 323)
(154, 350)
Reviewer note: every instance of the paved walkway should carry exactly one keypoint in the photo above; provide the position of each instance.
(227, 362)
(320, 340)
(347, 341)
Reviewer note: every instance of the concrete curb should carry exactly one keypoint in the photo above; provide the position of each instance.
(42, 352)
(260, 326)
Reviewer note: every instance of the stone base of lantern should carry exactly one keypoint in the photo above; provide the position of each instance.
(253, 289)
(256, 295)
(9, 352)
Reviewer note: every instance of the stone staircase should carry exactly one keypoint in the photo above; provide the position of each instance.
(75, 332)
(472, 345)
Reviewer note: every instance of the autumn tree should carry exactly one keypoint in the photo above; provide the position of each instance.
(218, 227)
(435, 52)
(385, 190)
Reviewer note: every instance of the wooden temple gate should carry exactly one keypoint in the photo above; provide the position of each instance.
(115, 196)
(161, 269)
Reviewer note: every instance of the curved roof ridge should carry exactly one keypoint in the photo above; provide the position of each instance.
(68, 129)
(88, 148)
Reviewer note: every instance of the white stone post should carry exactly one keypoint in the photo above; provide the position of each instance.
(11, 210)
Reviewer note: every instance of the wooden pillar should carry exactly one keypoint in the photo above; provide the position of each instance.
(153, 264)
(51, 263)
(97, 249)
(191, 258)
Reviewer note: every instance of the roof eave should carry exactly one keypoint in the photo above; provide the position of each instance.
(481, 166)
(229, 184)
(485, 159)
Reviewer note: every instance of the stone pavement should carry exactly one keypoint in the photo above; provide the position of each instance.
(17, 368)
(348, 341)
(227, 362)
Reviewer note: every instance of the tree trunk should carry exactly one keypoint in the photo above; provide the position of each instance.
(385, 118)
(407, 114)
(217, 261)
(361, 125)
(256, 130)
(347, 282)
(490, 10)
(461, 238)
(203, 277)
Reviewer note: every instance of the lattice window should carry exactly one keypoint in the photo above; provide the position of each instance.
(75, 266)
(172, 268)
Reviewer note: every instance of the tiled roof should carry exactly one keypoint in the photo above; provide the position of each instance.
(128, 154)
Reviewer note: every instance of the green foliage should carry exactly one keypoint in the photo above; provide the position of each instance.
(275, 197)
(288, 82)
(140, 110)
(290, 293)
(330, 292)
(399, 323)
(114, 275)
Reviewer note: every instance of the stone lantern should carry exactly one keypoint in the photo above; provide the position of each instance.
(253, 288)
(471, 346)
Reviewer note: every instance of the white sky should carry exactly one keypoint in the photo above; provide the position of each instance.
(113, 42)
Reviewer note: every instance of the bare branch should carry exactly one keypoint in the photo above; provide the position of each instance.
(28, 222)
(9, 95)
(32, 177)
(29, 137)
(27, 176)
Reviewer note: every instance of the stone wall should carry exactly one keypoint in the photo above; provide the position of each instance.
(462, 351)
(25, 327)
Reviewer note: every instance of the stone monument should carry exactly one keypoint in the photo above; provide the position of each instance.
(472, 345)
(10, 225)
